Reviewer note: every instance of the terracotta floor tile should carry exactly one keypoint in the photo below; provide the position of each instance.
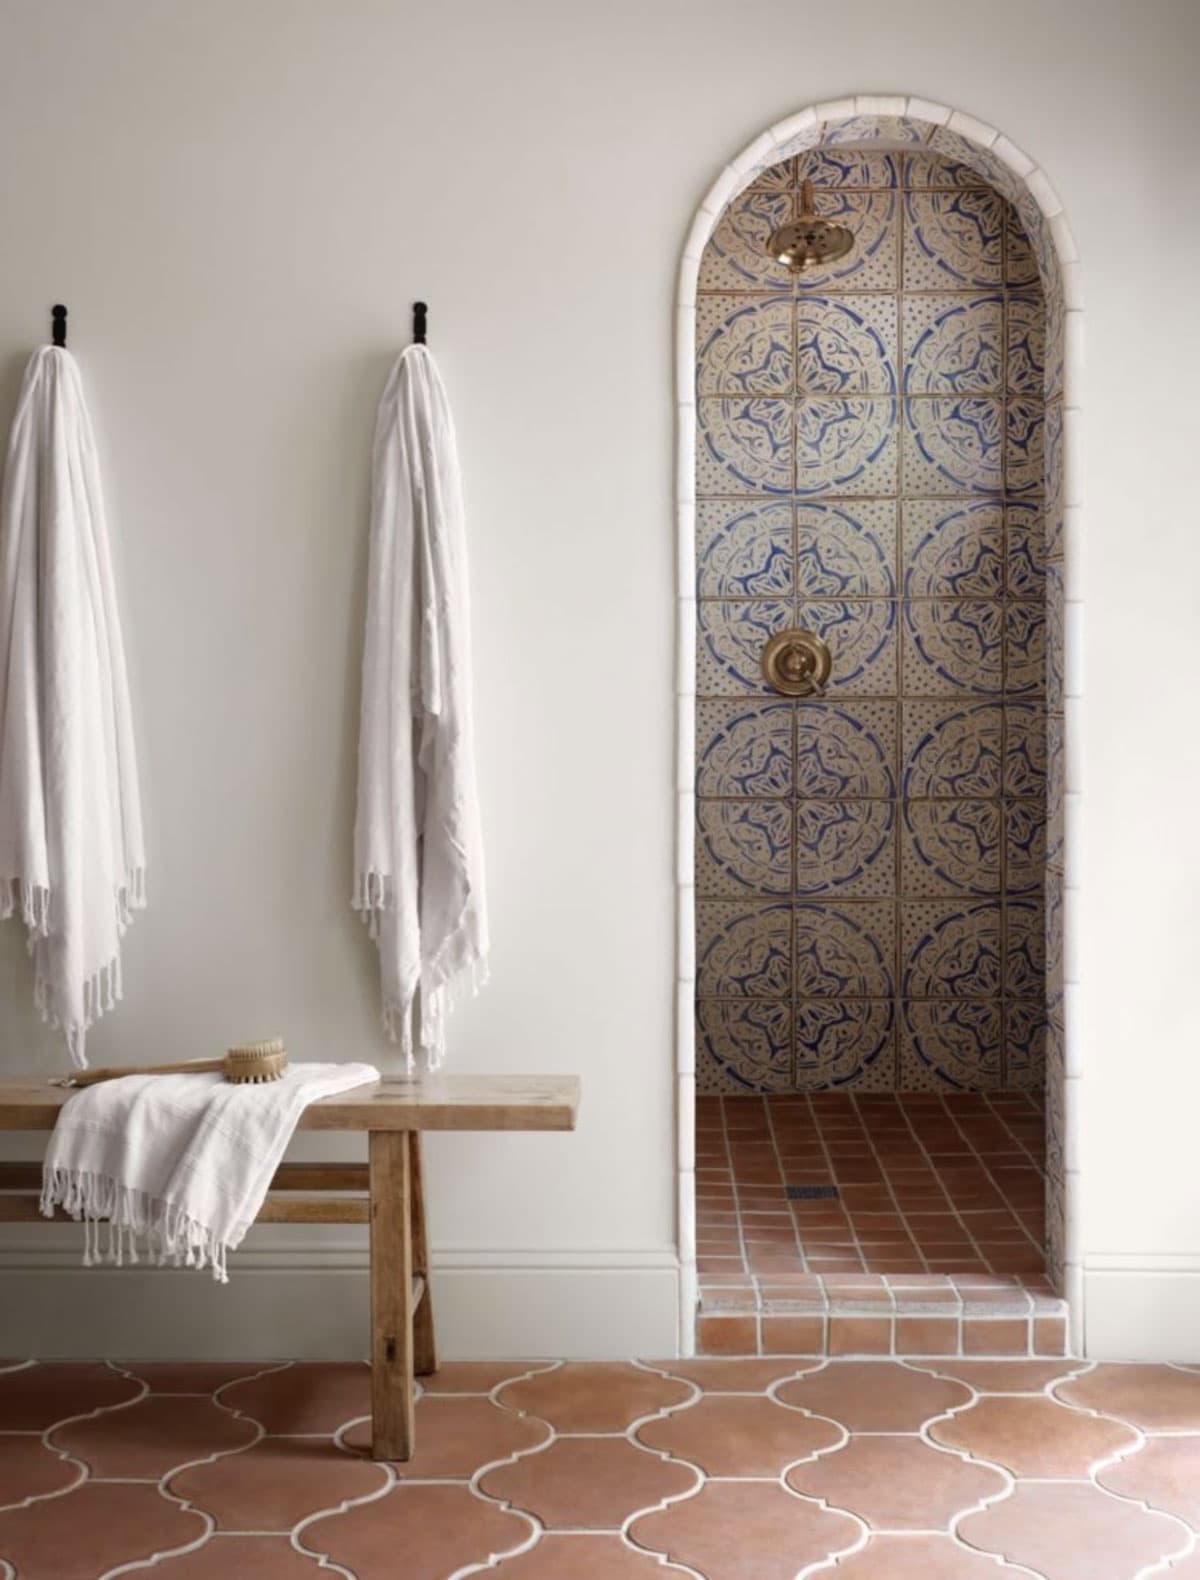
(89, 1531)
(922, 1558)
(231, 1557)
(1156, 1398)
(716, 1375)
(456, 1434)
(30, 1470)
(727, 1335)
(1074, 1531)
(144, 1440)
(733, 1435)
(559, 1557)
(1165, 1473)
(588, 1483)
(35, 1397)
(475, 1376)
(793, 1335)
(277, 1482)
(1035, 1436)
(745, 1530)
(439, 1530)
(1002, 1376)
(594, 1398)
(897, 1483)
(190, 1376)
(312, 1398)
(874, 1396)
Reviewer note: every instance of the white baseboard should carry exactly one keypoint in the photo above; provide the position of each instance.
(1142, 1312)
(488, 1305)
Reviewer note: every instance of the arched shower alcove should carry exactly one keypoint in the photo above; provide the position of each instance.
(1009, 396)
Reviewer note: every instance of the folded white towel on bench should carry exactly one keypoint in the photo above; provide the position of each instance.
(178, 1165)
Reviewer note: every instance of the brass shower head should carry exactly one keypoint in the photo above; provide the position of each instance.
(809, 238)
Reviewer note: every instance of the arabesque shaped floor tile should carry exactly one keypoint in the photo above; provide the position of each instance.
(718, 1375)
(1001, 1376)
(192, 1376)
(588, 1483)
(605, 1397)
(1156, 1398)
(277, 1482)
(142, 1441)
(1186, 1568)
(316, 1397)
(1074, 1531)
(1032, 1435)
(475, 1376)
(456, 1435)
(35, 1397)
(559, 1557)
(28, 1469)
(739, 1435)
(1165, 1473)
(746, 1530)
(874, 1396)
(226, 1557)
(922, 1558)
(897, 1483)
(440, 1530)
(119, 1521)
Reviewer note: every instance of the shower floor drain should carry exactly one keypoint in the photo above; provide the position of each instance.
(811, 1192)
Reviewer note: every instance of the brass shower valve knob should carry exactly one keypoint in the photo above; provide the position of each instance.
(797, 663)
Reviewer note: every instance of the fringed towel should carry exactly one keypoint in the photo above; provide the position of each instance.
(72, 865)
(177, 1165)
(418, 856)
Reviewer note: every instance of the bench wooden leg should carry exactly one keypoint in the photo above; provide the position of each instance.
(424, 1343)
(393, 1296)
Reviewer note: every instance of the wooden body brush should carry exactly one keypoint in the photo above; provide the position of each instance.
(250, 1062)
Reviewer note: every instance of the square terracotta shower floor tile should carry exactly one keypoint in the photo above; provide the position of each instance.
(726, 1469)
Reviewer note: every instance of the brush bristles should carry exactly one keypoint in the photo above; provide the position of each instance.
(255, 1062)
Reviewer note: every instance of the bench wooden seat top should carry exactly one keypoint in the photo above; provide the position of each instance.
(393, 1113)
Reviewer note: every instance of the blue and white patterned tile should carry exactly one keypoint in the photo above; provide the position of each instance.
(873, 262)
(744, 749)
(1054, 637)
(1024, 445)
(845, 1044)
(1052, 901)
(846, 550)
(951, 847)
(743, 1045)
(745, 345)
(745, 445)
(1055, 346)
(870, 129)
(1056, 768)
(983, 167)
(1025, 341)
(1025, 548)
(948, 1043)
(846, 345)
(1025, 948)
(845, 749)
(1029, 223)
(1025, 649)
(953, 645)
(950, 949)
(952, 549)
(953, 345)
(730, 637)
(1024, 749)
(1020, 262)
(777, 177)
(736, 256)
(839, 167)
(953, 239)
(954, 445)
(1053, 455)
(845, 848)
(862, 640)
(934, 169)
(743, 950)
(743, 848)
(845, 950)
(743, 549)
(1025, 846)
(952, 749)
(846, 446)
(1025, 1045)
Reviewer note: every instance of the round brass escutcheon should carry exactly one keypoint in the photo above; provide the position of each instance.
(797, 663)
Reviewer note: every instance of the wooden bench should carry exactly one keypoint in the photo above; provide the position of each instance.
(393, 1114)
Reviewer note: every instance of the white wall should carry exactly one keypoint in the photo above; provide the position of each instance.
(238, 203)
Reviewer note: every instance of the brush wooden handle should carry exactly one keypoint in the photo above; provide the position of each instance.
(112, 1071)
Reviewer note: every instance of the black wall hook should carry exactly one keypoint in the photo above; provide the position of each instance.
(58, 324)
(420, 312)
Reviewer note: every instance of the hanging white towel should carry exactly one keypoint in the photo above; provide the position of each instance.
(72, 864)
(177, 1165)
(418, 854)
